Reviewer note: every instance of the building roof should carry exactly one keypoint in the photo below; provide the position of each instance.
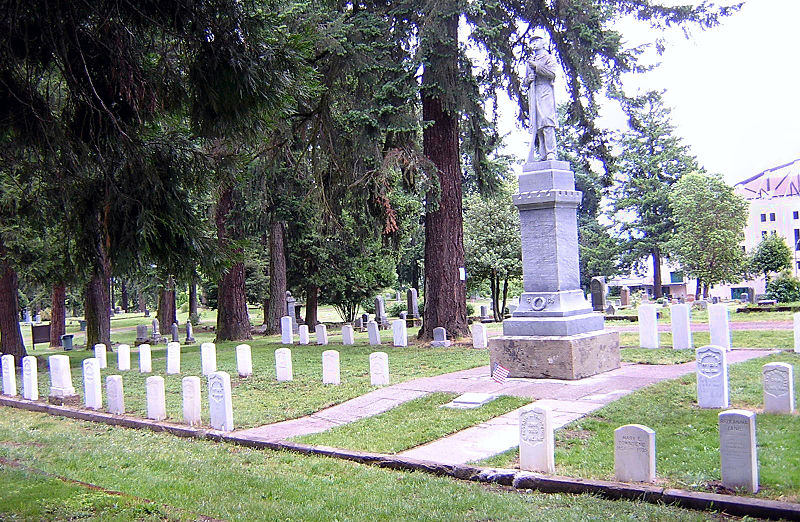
(777, 182)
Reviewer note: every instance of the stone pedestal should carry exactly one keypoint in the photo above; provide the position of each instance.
(553, 333)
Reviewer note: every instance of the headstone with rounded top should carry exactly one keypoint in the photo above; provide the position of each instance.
(30, 378)
(321, 332)
(648, 326)
(598, 290)
(347, 335)
(173, 357)
(373, 333)
(189, 333)
(778, 388)
(100, 354)
(712, 377)
(283, 364)
(378, 368)
(412, 302)
(156, 398)
(303, 333)
(737, 450)
(175, 338)
(9, 375)
(480, 338)
(399, 333)
(330, 367)
(536, 441)
(440, 337)
(123, 357)
(190, 388)
(92, 386)
(625, 296)
(220, 405)
(287, 337)
(145, 359)
(635, 453)
(681, 327)
(244, 360)
(116, 397)
(156, 332)
(718, 324)
(208, 358)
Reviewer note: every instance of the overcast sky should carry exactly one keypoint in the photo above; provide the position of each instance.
(734, 89)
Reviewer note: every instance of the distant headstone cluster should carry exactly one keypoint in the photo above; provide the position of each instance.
(681, 326)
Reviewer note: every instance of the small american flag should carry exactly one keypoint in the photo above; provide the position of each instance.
(500, 373)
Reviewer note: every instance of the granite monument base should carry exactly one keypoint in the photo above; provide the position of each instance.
(567, 357)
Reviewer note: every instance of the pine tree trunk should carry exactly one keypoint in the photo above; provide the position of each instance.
(705, 290)
(193, 296)
(98, 319)
(495, 287)
(166, 306)
(445, 293)
(58, 314)
(10, 333)
(123, 295)
(312, 296)
(277, 278)
(656, 274)
(233, 323)
(141, 301)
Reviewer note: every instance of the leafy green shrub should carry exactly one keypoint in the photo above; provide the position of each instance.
(785, 288)
(396, 308)
(470, 309)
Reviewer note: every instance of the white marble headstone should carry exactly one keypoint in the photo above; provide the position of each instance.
(100, 353)
(60, 376)
(737, 449)
(648, 326)
(123, 357)
(348, 336)
(635, 453)
(145, 359)
(190, 386)
(9, 375)
(321, 332)
(536, 441)
(718, 324)
(283, 364)
(302, 331)
(378, 368)
(156, 399)
(778, 388)
(286, 330)
(208, 358)
(30, 378)
(373, 333)
(440, 337)
(399, 333)
(173, 358)
(330, 367)
(92, 385)
(681, 327)
(116, 397)
(796, 317)
(480, 339)
(244, 360)
(220, 405)
(712, 377)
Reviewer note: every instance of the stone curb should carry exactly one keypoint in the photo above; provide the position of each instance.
(729, 504)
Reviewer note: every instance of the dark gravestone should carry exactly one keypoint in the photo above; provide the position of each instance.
(40, 333)
(598, 288)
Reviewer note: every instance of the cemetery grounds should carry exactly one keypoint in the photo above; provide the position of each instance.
(57, 468)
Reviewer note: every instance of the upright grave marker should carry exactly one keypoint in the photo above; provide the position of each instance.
(30, 378)
(598, 290)
(303, 332)
(286, 330)
(778, 388)
(648, 326)
(347, 335)
(330, 367)
(208, 358)
(220, 406)
(123, 357)
(9, 375)
(440, 337)
(116, 397)
(189, 333)
(378, 368)
(100, 353)
(173, 357)
(60, 377)
(175, 338)
(92, 386)
(712, 377)
(718, 324)
(737, 449)
(796, 318)
(321, 332)
(479, 336)
(283, 364)
(635, 453)
(145, 359)
(156, 399)
(536, 441)
(399, 333)
(373, 333)
(244, 360)
(380, 312)
(412, 302)
(681, 327)
(190, 388)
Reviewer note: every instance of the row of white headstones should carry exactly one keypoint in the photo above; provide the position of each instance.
(219, 387)
(399, 334)
(681, 326)
(635, 448)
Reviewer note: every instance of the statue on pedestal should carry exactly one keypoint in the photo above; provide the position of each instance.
(539, 76)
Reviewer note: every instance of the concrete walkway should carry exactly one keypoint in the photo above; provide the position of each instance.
(569, 400)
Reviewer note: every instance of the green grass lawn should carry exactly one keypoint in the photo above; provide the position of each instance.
(260, 399)
(410, 424)
(687, 437)
(188, 479)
